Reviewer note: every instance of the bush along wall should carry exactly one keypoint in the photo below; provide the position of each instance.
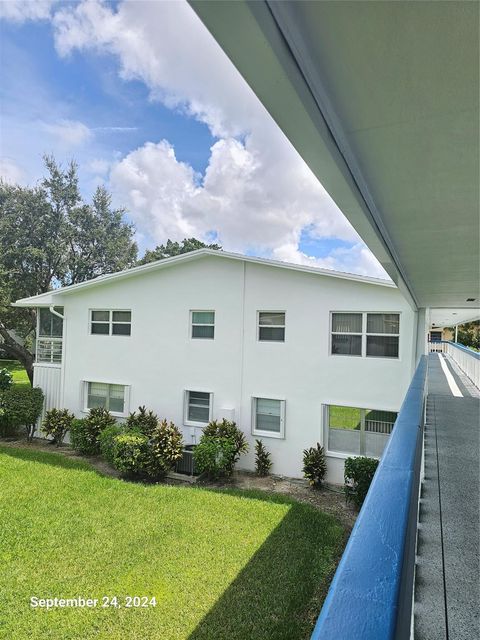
(135, 454)
(56, 424)
(359, 472)
(219, 449)
(263, 462)
(85, 432)
(20, 407)
(314, 465)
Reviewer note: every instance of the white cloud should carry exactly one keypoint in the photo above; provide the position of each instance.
(356, 259)
(10, 172)
(22, 10)
(257, 194)
(70, 133)
(99, 166)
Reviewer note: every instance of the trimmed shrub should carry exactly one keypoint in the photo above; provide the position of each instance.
(6, 379)
(131, 453)
(165, 448)
(106, 441)
(314, 465)
(56, 424)
(86, 431)
(215, 456)
(21, 407)
(263, 462)
(230, 431)
(359, 472)
(143, 421)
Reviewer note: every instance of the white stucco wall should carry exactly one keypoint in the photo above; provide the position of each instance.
(160, 360)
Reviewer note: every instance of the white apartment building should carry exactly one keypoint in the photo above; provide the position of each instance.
(294, 355)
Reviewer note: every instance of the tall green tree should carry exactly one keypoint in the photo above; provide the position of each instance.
(50, 237)
(469, 334)
(175, 249)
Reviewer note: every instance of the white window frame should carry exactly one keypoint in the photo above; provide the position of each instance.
(325, 426)
(196, 324)
(126, 397)
(110, 322)
(382, 335)
(364, 335)
(272, 326)
(186, 398)
(348, 333)
(268, 434)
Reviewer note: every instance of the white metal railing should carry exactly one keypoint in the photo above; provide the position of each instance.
(49, 350)
(379, 426)
(467, 359)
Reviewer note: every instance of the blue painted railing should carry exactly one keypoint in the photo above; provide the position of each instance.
(370, 597)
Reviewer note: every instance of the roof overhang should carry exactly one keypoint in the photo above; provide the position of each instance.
(56, 296)
(381, 101)
(451, 317)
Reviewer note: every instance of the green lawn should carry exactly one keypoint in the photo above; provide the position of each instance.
(16, 369)
(221, 564)
(350, 417)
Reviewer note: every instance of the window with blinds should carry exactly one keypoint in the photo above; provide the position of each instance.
(347, 334)
(268, 417)
(203, 325)
(271, 326)
(372, 335)
(108, 396)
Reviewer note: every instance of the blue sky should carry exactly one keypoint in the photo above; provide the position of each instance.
(146, 102)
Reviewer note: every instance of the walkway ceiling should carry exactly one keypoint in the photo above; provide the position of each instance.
(381, 99)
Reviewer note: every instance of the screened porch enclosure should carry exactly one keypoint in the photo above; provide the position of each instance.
(356, 431)
(49, 342)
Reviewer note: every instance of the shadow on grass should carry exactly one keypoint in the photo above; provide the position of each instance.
(54, 458)
(279, 593)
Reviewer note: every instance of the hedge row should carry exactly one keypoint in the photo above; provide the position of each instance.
(148, 448)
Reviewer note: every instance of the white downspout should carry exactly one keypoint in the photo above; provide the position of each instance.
(55, 313)
(456, 333)
(61, 391)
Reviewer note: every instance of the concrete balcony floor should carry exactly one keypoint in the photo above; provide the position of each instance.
(447, 574)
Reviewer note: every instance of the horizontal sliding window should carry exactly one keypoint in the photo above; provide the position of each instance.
(203, 324)
(271, 326)
(351, 430)
(109, 322)
(108, 396)
(365, 334)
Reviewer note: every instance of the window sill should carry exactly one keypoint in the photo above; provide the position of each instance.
(115, 414)
(344, 456)
(269, 434)
(189, 423)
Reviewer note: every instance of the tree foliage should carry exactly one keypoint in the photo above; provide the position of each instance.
(50, 237)
(469, 334)
(171, 249)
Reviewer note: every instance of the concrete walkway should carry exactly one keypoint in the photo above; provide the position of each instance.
(447, 602)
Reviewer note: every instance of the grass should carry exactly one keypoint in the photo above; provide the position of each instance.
(350, 417)
(221, 564)
(18, 372)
